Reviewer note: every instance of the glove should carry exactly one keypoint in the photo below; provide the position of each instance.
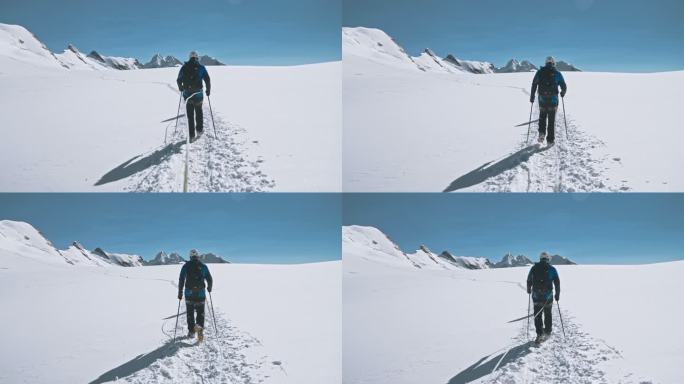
(180, 296)
(532, 99)
(557, 296)
(209, 289)
(529, 291)
(208, 93)
(562, 93)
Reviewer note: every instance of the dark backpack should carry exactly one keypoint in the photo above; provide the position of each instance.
(547, 82)
(540, 278)
(194, 279)
(191, 77)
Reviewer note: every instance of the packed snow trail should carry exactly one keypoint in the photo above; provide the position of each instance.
(232, 356)
(216, 164)
(576, 359)
(566, 166)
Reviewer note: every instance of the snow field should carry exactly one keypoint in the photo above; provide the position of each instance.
(92, 129)
(408, 325)
(412, 130)
(278, 324)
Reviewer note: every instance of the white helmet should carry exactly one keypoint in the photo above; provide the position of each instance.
(545, 256)
(194, 254)
(194, 54)
(551, 60)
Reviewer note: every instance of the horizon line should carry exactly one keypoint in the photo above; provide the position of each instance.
(493, 260)
(510, 59)
(294, 61)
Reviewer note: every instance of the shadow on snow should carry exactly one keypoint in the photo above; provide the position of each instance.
(134, 166)
(488, 170)
(141, 362)
(486, 365)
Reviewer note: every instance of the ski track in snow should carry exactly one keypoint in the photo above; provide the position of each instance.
(567, 166)
(572, 360)
(215, 165)
(232, 356)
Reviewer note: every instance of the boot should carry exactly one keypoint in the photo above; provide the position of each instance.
(200, 333)
(541, 138)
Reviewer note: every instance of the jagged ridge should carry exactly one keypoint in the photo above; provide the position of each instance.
(17, 43)
(383, 249)
(22, 239)
(376, 45)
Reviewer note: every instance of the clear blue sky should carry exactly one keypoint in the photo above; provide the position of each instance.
(253, 32)
(595, 35)
(245, 228)
(589, 228)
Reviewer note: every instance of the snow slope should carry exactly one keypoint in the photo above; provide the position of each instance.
(277, 128)
(76, 324)
(407, 325)
(407, 130)
(20, 238)
(19, 48)
(429, 61)
(470, 66)
(76, 60)
(387, 252)
(121, 259)
(377, 46)
(77, 254)
(114, 62)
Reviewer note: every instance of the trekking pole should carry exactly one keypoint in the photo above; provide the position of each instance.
(529, 124)
(564, 119)
(175, 128)
(177, 316)
(177, 113)
(561, 319)
(213, 316)
(529, 299)
(212, 117)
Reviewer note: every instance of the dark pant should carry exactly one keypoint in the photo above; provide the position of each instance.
(546, 327)
(193, 307)
(194, 112)
(548, 112)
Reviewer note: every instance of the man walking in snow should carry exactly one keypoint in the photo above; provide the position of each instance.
(192, 277)
(547, 80)
(540, 283)
(189, 80)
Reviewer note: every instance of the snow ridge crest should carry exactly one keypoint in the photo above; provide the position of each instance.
(19, 44)
(377, 246)
(376, 45)
(21, 239)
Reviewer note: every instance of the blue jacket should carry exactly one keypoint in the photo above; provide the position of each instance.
(203, 75)
(194, 293)
(543, 293)
(551, 101)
